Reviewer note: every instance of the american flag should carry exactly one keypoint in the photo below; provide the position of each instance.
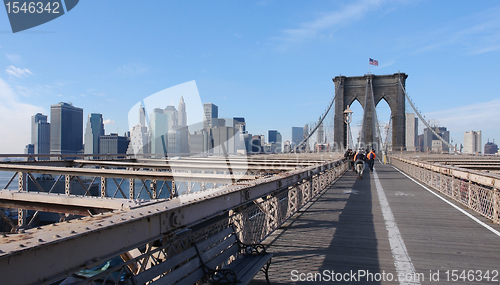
(373, 62)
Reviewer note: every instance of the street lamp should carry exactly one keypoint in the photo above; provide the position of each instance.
(347, 120)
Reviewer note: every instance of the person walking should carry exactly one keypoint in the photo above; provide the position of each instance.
(371, 159)
(359, 161)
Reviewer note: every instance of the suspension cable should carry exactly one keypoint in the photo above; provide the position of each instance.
(320, 121)
(425, 123)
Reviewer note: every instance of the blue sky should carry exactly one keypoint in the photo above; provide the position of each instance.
(271, 62)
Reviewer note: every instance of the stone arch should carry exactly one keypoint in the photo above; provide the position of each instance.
(386, 87)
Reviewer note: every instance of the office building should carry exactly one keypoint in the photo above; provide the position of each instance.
(297, 136)
(472, 142)
(411, 132)
(140, 138)
(490, 148)
(223, 140)
(320, 134)
(66, 129)
(274, 141)
(93, 130)
(429, 137)
(29, 149)
(239, 124)
(182, 114)
(113, 144)
(199, 142)
(159, 130)
(40, 134)
(211, 115)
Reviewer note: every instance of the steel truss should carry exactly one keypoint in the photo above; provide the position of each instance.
(147, 235)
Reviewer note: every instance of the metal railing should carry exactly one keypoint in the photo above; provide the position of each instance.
(145, 237)
(478, 191)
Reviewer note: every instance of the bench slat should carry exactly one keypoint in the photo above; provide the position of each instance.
(250, 266)
(185, 271)
(221, 258)
(218, 249)
(170, 263)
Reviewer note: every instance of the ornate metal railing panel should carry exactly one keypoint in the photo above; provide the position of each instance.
(146, 236)
(478, 191)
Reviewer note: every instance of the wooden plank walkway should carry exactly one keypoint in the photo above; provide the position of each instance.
(344, 232)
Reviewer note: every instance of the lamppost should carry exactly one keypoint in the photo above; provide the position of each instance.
(347, 120)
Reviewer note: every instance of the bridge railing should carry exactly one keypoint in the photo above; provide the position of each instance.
(147, 236)
(478, 191)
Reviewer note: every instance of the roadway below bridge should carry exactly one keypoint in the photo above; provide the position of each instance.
(382, 227)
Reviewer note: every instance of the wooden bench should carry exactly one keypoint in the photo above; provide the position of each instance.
(207, 260)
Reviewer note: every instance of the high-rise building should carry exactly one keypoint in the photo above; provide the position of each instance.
(172, 117)
(306, 134)
(113, 144)
(66, 129)
(239, 124)
(274, 141)
(159, 129)
(472, 142)
(199, 142)
(140, 138)
(411, 132)
(93, 130)
(142, 116)
(224, 140)
(211, 115)
(40, 134)
(429, 136)
(272, 136)
(182, 120)
(490, 148)
(297, 136)
(320, 134)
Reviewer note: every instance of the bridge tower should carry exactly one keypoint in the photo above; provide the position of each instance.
(367, 89)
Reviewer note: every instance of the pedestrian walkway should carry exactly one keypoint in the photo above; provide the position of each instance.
(347, 236)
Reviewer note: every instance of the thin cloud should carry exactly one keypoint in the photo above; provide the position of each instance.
(343, 16)
(18, 72)
(480, 116)
(14, 58)
(476, 34)
(132, 69)
(17, 117)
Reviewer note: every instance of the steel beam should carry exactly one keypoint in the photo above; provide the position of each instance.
(91, 240)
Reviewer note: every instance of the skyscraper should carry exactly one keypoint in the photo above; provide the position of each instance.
(239, 124)
(159, 131)
(113, 144)
(297, 135)
(66, 129)
(211, 115)
(93, 130)
(472, 142)
(139, 136)
(429, 137)
(411, 132)
(274, 140)
(320, 134)
(490, 147)
(40, 134)
(182, 120)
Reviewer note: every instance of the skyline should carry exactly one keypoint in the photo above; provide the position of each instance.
(250, 58)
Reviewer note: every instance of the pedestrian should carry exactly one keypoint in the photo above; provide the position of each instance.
(351, 158)
(359, 160)
(371, 159)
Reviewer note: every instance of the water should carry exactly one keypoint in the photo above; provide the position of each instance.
(111, 189)
(4, 179)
